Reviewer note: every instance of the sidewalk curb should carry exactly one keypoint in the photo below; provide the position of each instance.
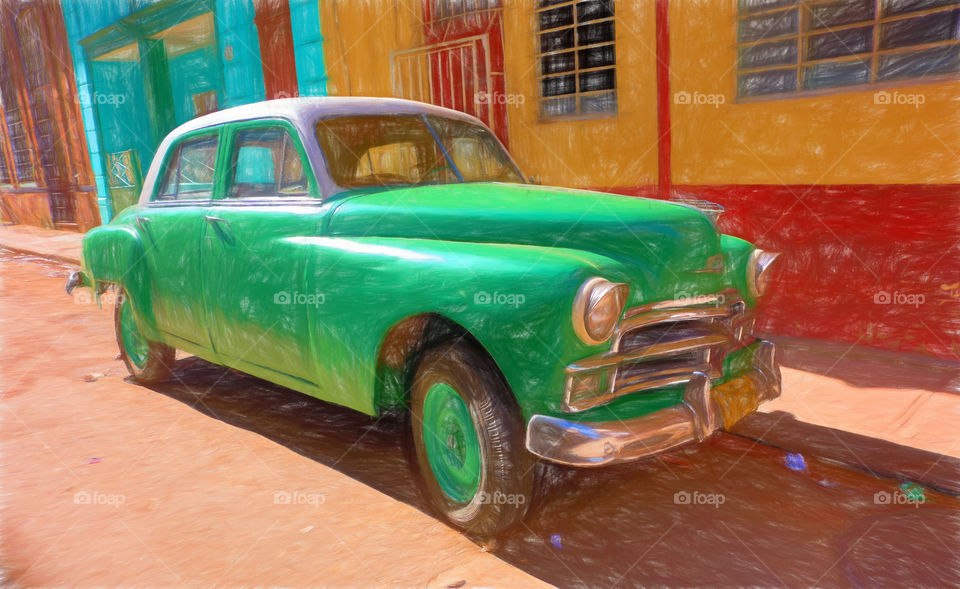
(46, 255)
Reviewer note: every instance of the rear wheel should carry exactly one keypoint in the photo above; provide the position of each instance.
(468, 440)
(147, 361)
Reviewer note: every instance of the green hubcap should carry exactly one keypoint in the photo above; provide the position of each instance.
(453, 448)
(134, 346)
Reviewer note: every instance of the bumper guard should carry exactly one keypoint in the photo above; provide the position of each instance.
(696, 419)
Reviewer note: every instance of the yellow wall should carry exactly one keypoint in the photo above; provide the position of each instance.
(603, 152)
(838, 138)
(361, 34)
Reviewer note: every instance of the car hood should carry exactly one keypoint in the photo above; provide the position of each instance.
(665, 241)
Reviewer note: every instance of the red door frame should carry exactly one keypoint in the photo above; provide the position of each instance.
(663, 97)
(276, 48)
(489, 22)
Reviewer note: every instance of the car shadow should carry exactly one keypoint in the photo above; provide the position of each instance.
(867, 367)
(728, 511)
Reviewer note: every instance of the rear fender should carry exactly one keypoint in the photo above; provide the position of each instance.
(115, 254)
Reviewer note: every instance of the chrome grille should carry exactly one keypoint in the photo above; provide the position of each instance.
(664, 344)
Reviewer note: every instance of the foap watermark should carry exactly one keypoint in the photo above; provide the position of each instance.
(499, 298)
(299, 498)
(899, 98)
(699, 98)
(899, 298)
(686, 298)
(100, 98)
(498, 98)
(284, 297)
(898, 498)
(98, 498)
(501, 498)
(698, 498)
(85, 296)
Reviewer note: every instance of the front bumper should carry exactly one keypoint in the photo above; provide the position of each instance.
(705, 409)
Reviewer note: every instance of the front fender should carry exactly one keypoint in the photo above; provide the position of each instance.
(515, 300)
(736, 256)
(115, 254)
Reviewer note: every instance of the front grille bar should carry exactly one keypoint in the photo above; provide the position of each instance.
(706, 332)
(654, 351)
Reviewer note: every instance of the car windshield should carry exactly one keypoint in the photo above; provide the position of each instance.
(397, 150)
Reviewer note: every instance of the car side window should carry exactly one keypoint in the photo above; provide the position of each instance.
(266, 163)
(190, 170)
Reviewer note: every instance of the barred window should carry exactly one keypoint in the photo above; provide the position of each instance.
(21, 170)
(577, 57)
(39, 90)
(787, 46)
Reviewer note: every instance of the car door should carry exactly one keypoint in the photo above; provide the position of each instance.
(172, 223)
(256, 304)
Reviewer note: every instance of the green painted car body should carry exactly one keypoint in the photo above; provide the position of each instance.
(333, 292)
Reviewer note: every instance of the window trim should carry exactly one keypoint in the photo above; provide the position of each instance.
(870, 58)
(577, 94)
(232, 129)
(172, 149)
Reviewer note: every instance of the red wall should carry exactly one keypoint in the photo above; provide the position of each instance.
(845, 245)
(276, 48)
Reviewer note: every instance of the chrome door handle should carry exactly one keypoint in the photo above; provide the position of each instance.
(222, 228)
(143, 223)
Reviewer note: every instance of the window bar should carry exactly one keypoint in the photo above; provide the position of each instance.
(803, 19)
(453, 90)
(463, 78)
(576, 60)
(875, 58)
(429, 70)
(413, 93)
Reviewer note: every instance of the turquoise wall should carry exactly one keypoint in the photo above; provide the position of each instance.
(110, 127)
(121, 122)
(308, 47)
(81, 19)
(193, 73)
(240, 51)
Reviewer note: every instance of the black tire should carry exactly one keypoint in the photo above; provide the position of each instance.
(505, 487)
(159, 358)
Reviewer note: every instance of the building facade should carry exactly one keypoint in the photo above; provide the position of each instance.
(143, 67)
(828, 130)
(45, 174)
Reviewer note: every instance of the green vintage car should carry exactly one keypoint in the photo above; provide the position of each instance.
(388, 255)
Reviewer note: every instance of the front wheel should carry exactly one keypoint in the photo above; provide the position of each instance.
(468, 439)
(147, 361)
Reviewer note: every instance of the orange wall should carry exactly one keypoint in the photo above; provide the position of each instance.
(358, 37)
(837, 138)
(611, 151)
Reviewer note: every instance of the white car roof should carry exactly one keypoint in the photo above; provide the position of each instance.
(302, 113)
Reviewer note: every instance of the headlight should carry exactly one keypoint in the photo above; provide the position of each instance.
(758, 277)
(597, 309)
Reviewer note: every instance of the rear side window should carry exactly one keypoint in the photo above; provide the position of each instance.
(190, 170)
(266, 162)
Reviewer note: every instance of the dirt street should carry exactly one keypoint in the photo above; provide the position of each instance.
(215, 477)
